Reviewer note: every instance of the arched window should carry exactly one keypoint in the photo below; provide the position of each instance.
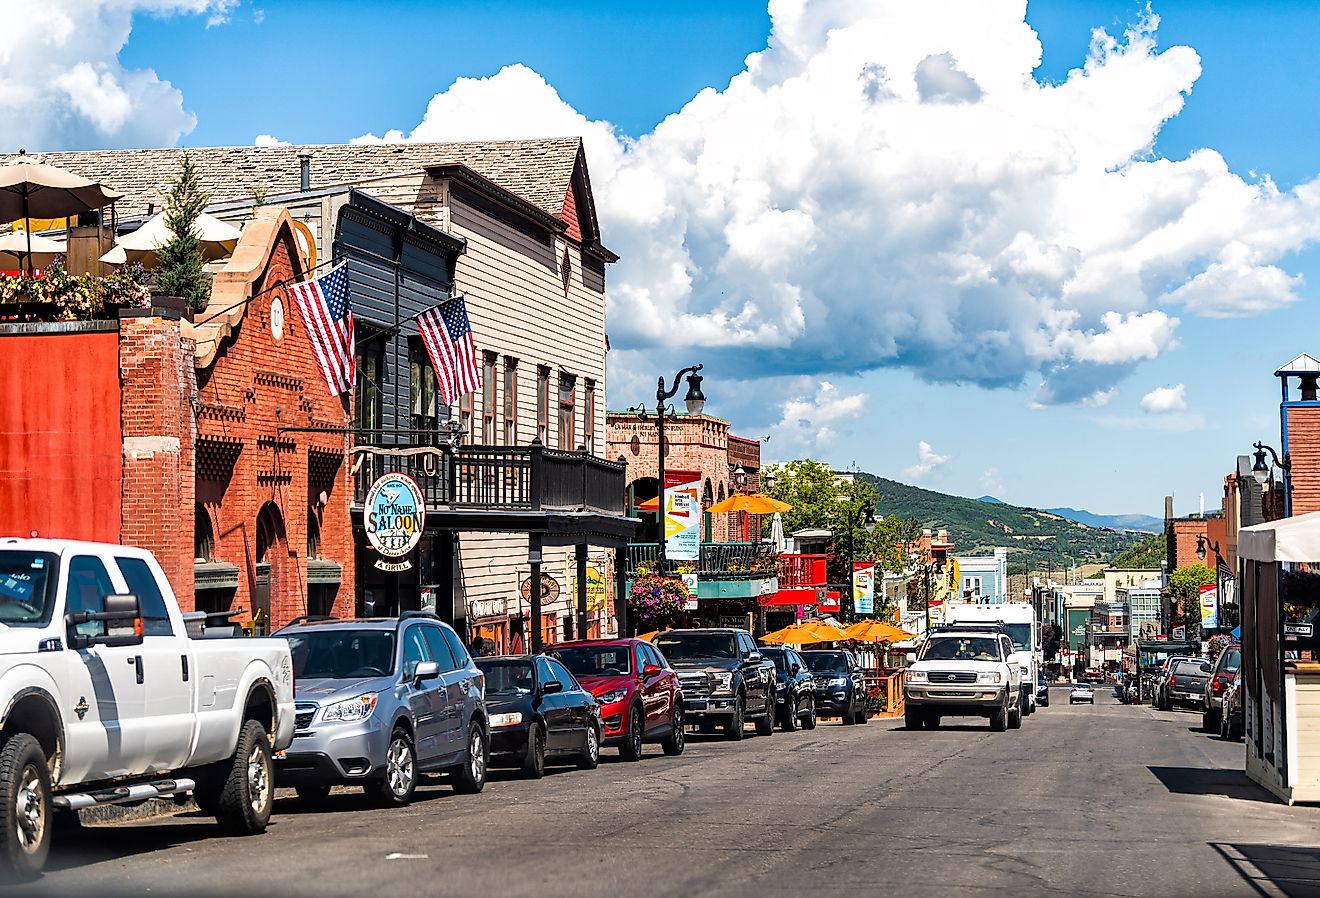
(203, 534)
(313, 534)
(270, 529)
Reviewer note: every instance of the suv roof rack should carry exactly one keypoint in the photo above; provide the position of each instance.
(309, 619)
(429, 615)
(970, 626)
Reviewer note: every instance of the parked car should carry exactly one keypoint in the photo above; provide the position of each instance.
(840, 687)
(1185, 684)
(1082, 692)
(381, 701)
(963, 670)
(1161, 679)
(1093, 675)
(1232, 722)
(1226, 666)
(1042, 691)
(724, 679)
(539, 713)
(638, 692)
(795, 692)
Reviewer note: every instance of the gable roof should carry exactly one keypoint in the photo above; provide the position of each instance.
(1302, 364)
(539, 171)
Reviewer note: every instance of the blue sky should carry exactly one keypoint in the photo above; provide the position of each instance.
(359, 68)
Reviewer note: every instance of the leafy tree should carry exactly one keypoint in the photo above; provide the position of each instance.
(179, 269)
(1148, 553)
(1185, 587)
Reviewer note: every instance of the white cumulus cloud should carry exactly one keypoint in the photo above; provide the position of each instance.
(269, 140)
(62, 85)
(888, 185)
(810, 423)
(928, 460)
(1163, 400)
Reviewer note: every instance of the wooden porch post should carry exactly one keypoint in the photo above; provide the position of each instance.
(621, 589)
(534, 588)
(582, 591)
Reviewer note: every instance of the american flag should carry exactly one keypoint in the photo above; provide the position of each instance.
(448, 337)
(327, 313)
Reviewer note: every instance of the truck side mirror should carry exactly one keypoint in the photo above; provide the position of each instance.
(754, 658)
(911, 657)
(122, 618)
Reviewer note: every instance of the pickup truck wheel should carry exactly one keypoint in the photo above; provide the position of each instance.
(469, 778)
(590, 756)
(765, 724)
(533, 763)
(733, 730)
(631, 748)
(790, 720)
(999, 722)
(397, 786)
(248, 793)
(809, 721)
(676, 741)
(24, 807)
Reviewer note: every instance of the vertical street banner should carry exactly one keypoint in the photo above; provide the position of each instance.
(1209, 607)
(682, 515)
(863, 587)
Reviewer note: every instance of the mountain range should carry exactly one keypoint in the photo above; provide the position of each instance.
(1036, 538)
(1141, 522)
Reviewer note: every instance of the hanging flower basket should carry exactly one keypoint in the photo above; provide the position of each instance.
(655, 601)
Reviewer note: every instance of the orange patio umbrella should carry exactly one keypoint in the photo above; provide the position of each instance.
(876, 631)
(757, 503)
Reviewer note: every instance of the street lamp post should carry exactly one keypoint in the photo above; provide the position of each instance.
(1263, 471)
(696, 403)
(868, 521)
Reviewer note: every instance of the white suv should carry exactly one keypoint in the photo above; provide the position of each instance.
(963, 670)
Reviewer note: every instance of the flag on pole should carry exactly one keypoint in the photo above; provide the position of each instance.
(447, 334)
(327, 313)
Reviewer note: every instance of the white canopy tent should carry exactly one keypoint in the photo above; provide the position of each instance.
(1290, 539)
(216, 240)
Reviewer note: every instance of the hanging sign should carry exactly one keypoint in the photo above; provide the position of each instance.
(682, 515)
(394, 517)
(863, 587)
(1209, 607)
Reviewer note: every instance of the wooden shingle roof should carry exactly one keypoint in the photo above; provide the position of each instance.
(538, 171)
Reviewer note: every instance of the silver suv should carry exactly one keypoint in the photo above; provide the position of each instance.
(380, 701)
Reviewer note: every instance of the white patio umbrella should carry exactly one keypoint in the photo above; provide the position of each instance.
(216, 240)
(777, 532)
(14, 250)
(37, 190)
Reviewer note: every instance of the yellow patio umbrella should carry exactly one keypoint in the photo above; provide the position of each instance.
(869, 630)
(757, 503)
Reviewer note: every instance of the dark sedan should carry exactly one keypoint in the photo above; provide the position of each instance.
(539, 714)
(1042, 691)
(795, 691)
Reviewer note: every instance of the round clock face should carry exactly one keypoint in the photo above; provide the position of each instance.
(277, 318)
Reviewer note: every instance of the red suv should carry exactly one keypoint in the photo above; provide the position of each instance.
(637, 690)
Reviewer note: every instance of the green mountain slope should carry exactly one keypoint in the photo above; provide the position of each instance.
(1034, 538)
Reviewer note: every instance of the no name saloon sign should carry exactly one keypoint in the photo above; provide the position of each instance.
(394, 517)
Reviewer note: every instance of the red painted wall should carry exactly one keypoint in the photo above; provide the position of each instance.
(60, 443)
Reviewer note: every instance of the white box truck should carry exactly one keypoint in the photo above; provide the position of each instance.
(1019, 620)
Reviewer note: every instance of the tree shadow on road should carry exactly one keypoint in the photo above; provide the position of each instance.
(1290, 870)
(1232, 783)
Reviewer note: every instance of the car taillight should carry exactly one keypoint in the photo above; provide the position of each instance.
(1173, 681)
(1217, 686)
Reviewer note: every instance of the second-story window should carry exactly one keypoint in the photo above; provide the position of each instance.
(488, 390)
(589, 415)
(543, 404)
(422, 381)
(567, 386)
(465, 416)
(370, 362)
(510, 401)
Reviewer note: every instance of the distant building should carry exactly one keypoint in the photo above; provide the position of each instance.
(983, 579)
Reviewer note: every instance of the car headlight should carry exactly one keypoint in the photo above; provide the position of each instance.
(989, 676)
(505, 720)
(721, 681)
(610, 698)
(838, 681)
(353, 709)
(916, 676)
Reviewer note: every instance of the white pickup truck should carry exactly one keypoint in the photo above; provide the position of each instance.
(105, 699)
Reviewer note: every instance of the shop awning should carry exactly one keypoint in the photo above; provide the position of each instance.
(1290, 539)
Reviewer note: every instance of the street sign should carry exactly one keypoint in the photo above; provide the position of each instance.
(690, 583)
(1306, 630)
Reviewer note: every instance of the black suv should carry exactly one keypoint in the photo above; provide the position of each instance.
(840, 689)
(723, 677)
(795, 690)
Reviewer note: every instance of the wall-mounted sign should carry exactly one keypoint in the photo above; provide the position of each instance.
(394, 517)
(690, 583)
(489, 608)
(1306, 630)
(549, 588)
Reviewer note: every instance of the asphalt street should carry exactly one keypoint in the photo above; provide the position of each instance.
(1103, 800)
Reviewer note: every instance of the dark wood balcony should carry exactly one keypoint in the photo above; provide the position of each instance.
(719, 561)
(493, 478)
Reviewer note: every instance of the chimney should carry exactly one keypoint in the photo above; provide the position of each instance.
(1168, 508)
(304, 171)
(1308, 387)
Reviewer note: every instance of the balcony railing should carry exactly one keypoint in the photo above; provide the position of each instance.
(518, 478)
(798, 570)
(719, 561)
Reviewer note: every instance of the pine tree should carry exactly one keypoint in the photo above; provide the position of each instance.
(179, 269)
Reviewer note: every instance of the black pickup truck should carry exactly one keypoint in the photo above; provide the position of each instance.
(1184, 684)
(724, 679)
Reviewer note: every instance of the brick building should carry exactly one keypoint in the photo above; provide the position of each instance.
(198, 442)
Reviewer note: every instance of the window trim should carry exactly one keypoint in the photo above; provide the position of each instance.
(567, 410)
(589, 415)
(490, 395)
(510, 404)
(543, 404)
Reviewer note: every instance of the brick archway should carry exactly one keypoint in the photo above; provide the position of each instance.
(272, 557)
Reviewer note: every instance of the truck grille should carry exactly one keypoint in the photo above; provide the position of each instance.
(694, 685)
(305, 711)
(952, 676)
